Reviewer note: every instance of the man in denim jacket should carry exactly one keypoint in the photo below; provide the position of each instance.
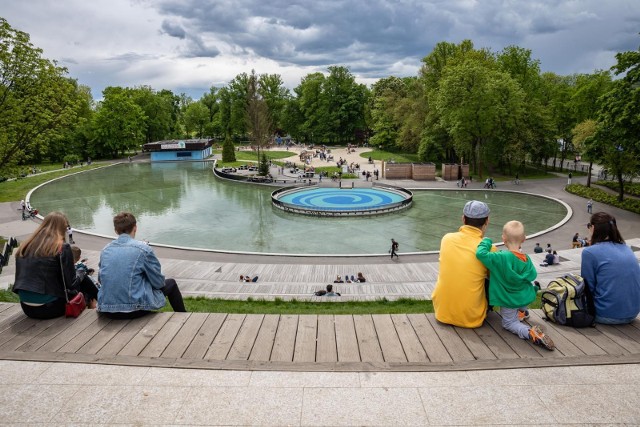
(131, 283)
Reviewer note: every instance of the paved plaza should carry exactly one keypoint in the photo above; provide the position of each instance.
(62, 393)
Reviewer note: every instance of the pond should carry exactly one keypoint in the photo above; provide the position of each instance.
(182, 204)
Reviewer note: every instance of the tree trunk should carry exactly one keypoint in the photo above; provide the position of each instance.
(620, 187)
(589, 174)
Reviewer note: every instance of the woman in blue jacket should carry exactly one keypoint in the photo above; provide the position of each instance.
(611, 271)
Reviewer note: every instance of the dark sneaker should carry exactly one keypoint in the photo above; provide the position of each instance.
(538, 337)
(523, 315)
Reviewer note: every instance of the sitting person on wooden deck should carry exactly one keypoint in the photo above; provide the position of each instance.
(459, 296)
(331, 292)
(45, 271)
(611, 271)
(510, 287)
(131, 282)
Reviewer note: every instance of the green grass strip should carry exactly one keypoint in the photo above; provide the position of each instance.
(11, 191)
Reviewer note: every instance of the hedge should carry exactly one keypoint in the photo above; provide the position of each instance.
(601, 196)
(632, 188)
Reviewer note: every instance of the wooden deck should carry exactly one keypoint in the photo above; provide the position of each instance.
(397, 342)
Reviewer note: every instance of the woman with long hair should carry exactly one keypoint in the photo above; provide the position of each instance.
(44, 264)
(611, 271)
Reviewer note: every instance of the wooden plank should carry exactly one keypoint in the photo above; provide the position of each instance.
(101, 339)
(146, 334)
(521, 347)
(183, 339)
(25, 330)
(392, 350)
(10, 320)
(263, 346)
(473, 342)
(435, 349)
(346, 339)
(10, 311)
(618, 335)
(74, 344)
(164, 336)
(629, 331)
(368, 343)
(326, 347)
(45, 336)
(241, 348)
(451, 340)
(560, 333)
(603, 341)
(221, 344)
(205, 336)
(285, 341)
(5, 306)
(128, 331)
(410, 342)
(492, 339)
(75, 327)
(306, 339)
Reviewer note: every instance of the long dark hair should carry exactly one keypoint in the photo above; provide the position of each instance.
(604, 229)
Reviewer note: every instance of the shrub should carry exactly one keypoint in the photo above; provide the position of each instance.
(631, 188)
(601, 196)
(228, 151)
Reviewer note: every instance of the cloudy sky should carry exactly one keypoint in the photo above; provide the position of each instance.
(190, 45)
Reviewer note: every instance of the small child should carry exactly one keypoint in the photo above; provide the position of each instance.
(510, 288)
(88, 286)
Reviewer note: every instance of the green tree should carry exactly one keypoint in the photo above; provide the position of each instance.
(258, 121)
(619, 121)
(158, 110)
(583, 134)
(37, 101)
(119, 123)
(196, 118)
(478, 106)
(343, 100)
(228, 150)
(312, 107)
(271, 88)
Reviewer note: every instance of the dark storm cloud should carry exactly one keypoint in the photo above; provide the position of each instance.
(173, 29)
(316, 33)
(373, 34)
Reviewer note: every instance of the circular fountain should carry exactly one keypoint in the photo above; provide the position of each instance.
(340, 202)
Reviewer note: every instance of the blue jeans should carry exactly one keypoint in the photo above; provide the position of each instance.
(511, 323)
(610, 321)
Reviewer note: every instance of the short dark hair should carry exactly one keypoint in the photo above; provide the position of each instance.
(329, 288)
(124, 223)
(605, 228)
(475, 222)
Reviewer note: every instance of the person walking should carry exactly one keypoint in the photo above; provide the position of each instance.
(590, 206)
(394, 249)
(70, 235)
(569, 180)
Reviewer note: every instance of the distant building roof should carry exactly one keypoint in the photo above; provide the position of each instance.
(178, 145)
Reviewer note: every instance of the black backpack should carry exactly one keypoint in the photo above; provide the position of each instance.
(568, 301)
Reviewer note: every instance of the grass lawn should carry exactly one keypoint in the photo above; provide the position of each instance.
(332, 305)
(388, 155)
(15, 190)
(252, 156)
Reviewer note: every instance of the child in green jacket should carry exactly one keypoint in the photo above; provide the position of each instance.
(510, 285)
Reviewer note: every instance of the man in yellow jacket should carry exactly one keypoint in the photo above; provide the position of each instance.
(459, 295)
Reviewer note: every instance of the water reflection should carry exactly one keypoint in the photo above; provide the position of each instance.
(183, 204)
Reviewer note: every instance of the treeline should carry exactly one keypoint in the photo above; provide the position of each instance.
(492, 110)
